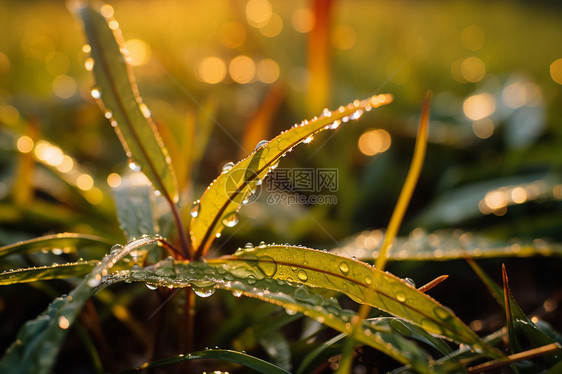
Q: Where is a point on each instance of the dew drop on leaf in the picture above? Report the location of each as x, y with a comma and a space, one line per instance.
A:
96, 93
226, 167
267, 265
195, 208
410, 281
231, 219
134, 167
441, 313
344, 268
308, 140
237, 293
89, 64
260, 144
108, 114
251, 279
151, 286
368, 280
204, 291
400, 297
249, 247
301, 274
290, 311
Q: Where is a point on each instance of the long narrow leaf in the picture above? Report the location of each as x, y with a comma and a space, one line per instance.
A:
60, 271
39, 341
243, 279
356, 279
241, 358
54, 241
122, 104
219, 204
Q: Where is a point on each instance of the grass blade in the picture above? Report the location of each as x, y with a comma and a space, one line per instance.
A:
248, 361
121, 102
219, 204
409, 185
39, 341
244, 280
54, 241
356, 279
60, 271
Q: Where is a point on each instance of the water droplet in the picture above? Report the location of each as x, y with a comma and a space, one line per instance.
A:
231, 219
134, 167
334, 125
290, 311
94, 281
113, 123
249, 247
205, 291
344, 268
400, 297
237, 293
326, 112
308, 140
262, 244
89, 64
260, 144
195, 208
357, 114
96, 93
267, 265
108, 114
57, 251
157, 193
302, 275
218, 235
226, 167
442, 313
345, 119
368, 280
145, 111
64, 323
151, 286
251, 279
410, 281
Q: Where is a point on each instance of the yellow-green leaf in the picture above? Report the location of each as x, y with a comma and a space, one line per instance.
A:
359, 281
219, 205
60, 271
63, 240
118, 95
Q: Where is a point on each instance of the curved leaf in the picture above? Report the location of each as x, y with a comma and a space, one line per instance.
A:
60, 271
243, 279
443, 245
39, 341
221, 201
122, 104
54, 241
356, 279
241, 358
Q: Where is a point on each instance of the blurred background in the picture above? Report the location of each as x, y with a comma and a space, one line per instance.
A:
219, 76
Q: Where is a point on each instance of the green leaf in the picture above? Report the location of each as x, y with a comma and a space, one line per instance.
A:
248, 361
38, 341
521, 323
121, 102
243, 279
60, 271
444, 245
54, 241
356, 279
219, 204
133, 200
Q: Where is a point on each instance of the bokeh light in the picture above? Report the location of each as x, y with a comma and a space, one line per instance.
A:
242, 69
268, 70
258, 12
483, 128
212, 70
303, 20
473, 69
113, 180
556, 71
139, 52
84, 182
273, 27
343, 37
64, 86
24, 144
374, 141
232, 34
473, 37
479, 106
